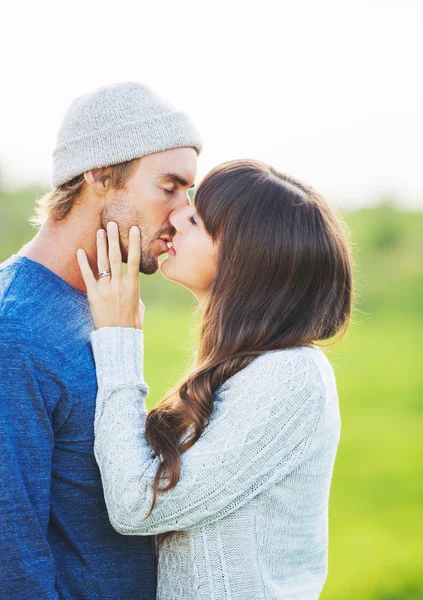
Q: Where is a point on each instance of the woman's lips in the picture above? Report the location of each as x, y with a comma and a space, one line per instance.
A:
172, 251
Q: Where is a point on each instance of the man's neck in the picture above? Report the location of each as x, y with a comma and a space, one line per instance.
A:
55, 247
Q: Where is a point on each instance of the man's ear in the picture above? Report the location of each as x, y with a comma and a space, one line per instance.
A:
99, 180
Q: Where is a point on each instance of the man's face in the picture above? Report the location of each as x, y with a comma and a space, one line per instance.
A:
158, 187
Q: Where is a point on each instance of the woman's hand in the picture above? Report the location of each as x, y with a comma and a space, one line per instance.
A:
114, 299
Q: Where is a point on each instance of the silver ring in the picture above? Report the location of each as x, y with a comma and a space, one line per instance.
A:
104, 274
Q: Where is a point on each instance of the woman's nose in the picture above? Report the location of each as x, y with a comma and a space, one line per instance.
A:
175, 217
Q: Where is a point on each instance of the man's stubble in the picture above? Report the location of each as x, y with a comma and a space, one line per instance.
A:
126, 216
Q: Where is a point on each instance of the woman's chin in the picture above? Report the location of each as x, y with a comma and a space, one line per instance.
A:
166, 270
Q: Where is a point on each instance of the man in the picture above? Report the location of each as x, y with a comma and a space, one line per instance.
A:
122, 154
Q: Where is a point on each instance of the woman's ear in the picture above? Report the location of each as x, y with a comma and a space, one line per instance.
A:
99, 180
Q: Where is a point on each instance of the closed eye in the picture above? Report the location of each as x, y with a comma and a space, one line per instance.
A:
169, 191
192, 220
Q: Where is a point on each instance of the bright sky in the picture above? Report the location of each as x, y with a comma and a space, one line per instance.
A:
330, 91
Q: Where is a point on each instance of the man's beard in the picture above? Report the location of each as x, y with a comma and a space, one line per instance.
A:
117, 210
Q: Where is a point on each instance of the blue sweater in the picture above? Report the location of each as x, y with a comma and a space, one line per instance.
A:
56, 539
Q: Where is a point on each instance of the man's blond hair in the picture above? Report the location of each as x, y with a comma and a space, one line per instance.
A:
57, 204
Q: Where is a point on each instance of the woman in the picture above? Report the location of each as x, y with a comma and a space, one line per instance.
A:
233, 468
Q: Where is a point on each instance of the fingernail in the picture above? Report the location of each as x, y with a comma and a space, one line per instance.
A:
101, 233
112, 225
80, 252
134, 230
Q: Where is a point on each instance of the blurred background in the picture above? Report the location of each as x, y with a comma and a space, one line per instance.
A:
330, 92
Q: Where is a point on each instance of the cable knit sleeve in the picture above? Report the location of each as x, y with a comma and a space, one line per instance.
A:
261, 428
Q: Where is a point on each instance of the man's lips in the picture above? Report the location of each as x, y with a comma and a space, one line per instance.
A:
163, 244
165, 241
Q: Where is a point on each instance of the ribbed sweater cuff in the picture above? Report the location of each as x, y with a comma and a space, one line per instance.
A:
118, 355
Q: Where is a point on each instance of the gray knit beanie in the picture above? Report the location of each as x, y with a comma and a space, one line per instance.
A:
117, 123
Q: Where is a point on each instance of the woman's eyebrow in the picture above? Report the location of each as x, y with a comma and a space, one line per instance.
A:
174, 178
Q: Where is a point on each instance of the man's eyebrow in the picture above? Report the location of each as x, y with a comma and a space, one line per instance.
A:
175, 178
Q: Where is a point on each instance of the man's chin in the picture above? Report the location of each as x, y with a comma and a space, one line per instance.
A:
149, 265
149, 269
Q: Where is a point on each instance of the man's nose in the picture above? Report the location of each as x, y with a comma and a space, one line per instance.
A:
182, 201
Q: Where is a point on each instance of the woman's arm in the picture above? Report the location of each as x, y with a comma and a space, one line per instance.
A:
260, 430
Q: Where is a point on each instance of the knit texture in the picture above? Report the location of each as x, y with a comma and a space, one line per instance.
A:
251, 506
117, 123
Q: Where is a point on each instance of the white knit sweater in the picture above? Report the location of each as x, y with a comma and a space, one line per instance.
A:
251, 506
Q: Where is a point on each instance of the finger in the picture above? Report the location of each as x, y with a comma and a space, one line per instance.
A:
134, 254
115, 257
102, 256
87, 274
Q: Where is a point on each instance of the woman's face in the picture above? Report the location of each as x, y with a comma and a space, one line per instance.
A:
192, 261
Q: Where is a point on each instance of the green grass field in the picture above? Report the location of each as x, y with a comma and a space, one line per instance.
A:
376, 532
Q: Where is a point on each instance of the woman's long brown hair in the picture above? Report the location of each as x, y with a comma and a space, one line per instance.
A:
284, 280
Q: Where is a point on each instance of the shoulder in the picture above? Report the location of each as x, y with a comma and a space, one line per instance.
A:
40, 308
18, 289
279, 387
9, 271
292, 367
14, 290
19, 306
25, 313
